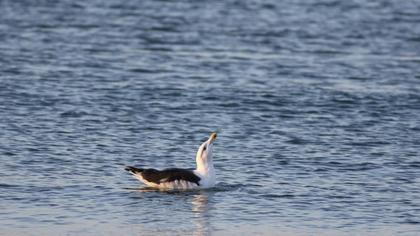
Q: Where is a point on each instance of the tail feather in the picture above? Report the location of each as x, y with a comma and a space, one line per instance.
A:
133, 170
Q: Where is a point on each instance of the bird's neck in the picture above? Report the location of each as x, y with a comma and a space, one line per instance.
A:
205, 169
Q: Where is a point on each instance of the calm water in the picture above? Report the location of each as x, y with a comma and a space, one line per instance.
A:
317, 104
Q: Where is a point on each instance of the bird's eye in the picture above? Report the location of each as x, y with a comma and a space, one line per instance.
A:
205, 147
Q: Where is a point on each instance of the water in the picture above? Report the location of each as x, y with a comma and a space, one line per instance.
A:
317, 104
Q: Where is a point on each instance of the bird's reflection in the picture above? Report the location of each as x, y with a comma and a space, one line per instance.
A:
201, 204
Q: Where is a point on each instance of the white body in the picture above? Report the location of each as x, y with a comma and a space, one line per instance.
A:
208, 179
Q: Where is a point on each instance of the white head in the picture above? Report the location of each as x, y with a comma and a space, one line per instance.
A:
204, 157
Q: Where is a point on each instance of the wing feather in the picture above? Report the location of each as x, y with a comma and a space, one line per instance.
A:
170, 175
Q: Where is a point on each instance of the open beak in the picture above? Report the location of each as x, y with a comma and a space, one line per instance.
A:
212, 137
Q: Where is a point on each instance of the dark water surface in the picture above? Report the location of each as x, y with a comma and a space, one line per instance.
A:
317, 104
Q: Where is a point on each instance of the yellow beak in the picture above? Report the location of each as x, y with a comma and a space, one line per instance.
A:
212, 137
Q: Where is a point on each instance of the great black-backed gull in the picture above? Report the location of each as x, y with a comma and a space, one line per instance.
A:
174, 178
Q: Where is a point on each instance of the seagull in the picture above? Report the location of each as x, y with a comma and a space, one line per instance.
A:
175, 178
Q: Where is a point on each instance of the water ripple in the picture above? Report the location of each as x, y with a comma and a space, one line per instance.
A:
316, 104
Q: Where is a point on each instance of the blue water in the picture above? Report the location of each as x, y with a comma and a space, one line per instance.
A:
317, 106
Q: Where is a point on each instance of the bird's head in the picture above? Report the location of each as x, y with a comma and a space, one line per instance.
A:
204, 155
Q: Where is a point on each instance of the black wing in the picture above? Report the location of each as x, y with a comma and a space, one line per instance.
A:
169, 175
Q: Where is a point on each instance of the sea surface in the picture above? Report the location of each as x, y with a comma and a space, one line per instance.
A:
316, 103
